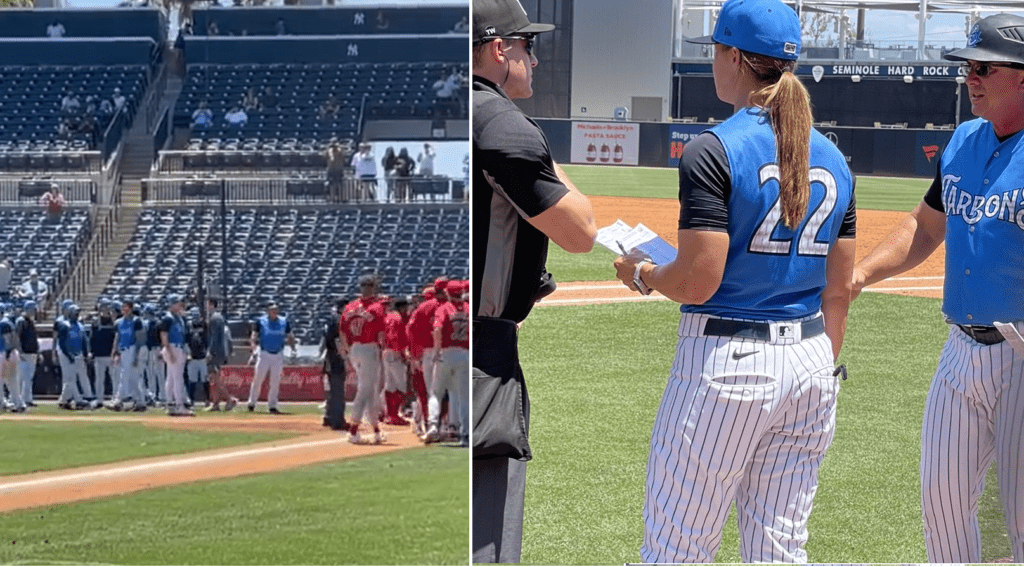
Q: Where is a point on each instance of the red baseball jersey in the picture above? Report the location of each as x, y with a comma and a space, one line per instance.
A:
362, 320
453, 319
421, 325
394, 331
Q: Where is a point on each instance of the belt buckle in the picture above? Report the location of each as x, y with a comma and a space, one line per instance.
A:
786, 332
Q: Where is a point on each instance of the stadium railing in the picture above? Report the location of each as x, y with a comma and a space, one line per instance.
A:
104, 229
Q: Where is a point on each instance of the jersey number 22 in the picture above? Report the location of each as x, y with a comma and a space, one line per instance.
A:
807, 240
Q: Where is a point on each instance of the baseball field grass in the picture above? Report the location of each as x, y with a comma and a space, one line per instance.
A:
48, 445
404, 508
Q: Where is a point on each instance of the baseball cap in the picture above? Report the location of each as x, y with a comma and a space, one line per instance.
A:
33, 272
29, 305
272, 305
173, 298
995, 39
765, 27
440, 284
501, 18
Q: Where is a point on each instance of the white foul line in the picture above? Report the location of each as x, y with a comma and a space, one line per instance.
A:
170, 463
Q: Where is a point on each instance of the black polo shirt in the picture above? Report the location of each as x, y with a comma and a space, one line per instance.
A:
513, 179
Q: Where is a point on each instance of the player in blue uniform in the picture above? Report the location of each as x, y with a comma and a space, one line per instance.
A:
9, 360
269, 334
766, 247
976, 206
73, 350
28, 344
101, 345
172, 340
129, 351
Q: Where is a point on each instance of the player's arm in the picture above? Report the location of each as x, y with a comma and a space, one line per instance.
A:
835, 299
569, 223
436, 333
916, 237
695, 274
909, 244
114, 352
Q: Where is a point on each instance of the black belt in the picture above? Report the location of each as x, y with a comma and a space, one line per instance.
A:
760, 331
983, 334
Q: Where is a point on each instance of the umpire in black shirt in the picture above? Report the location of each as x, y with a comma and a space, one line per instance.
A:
334, 368
521, 199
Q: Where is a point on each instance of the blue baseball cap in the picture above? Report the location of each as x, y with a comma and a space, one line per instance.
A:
765, 27
149, 309
29, 305
173, 298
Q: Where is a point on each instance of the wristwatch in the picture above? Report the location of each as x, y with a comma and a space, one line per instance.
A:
639, 283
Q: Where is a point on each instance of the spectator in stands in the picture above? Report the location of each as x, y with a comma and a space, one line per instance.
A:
251, 101
33, 288
388, 163
203, 116
269, 98
118, 99
279, 27
53, 203
90, 105
88, 128
330, 108
5, 279
55, 30
461, 26
212, 29
336, 171
64, 130
236, 116
426, 160
365, 165
70, 105
447, 89
405, 167
106, 111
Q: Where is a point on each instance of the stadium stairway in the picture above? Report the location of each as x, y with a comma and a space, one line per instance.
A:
135, 166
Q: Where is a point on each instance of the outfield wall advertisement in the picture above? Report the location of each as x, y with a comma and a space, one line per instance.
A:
298, 383
678, 136
606, 143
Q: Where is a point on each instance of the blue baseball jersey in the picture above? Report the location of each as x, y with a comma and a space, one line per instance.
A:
983, 198
773, 272
71, 337
272, 333
127, 327
174, 326
6, 329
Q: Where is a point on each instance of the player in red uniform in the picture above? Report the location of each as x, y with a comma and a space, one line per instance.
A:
451, 338
361, 327
421, 341
396, 360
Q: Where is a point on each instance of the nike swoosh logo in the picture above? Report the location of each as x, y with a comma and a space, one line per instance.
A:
740, 355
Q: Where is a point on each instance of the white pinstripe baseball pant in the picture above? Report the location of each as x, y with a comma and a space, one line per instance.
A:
740, 419
974, 414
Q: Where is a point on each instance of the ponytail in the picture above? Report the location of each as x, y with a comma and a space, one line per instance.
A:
789, 107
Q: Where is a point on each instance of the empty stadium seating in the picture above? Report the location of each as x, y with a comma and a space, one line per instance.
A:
304, 258
30, 103
31, 240
388, 89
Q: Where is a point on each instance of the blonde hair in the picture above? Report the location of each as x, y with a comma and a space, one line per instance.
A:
789, 107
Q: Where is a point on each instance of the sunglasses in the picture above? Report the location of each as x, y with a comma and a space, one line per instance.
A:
984, 69
527, 42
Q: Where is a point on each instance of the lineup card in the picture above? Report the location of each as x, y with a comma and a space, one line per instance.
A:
639, 237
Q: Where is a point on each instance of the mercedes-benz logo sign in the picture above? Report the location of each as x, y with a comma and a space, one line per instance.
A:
832, 138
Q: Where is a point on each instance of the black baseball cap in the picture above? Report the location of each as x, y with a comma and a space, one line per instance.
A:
995, 39
501, 18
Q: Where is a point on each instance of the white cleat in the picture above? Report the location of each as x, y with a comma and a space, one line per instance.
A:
432, 436
354, 438
378, 437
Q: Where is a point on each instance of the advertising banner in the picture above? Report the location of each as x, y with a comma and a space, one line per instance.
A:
605, 143
298, 383
678, 136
